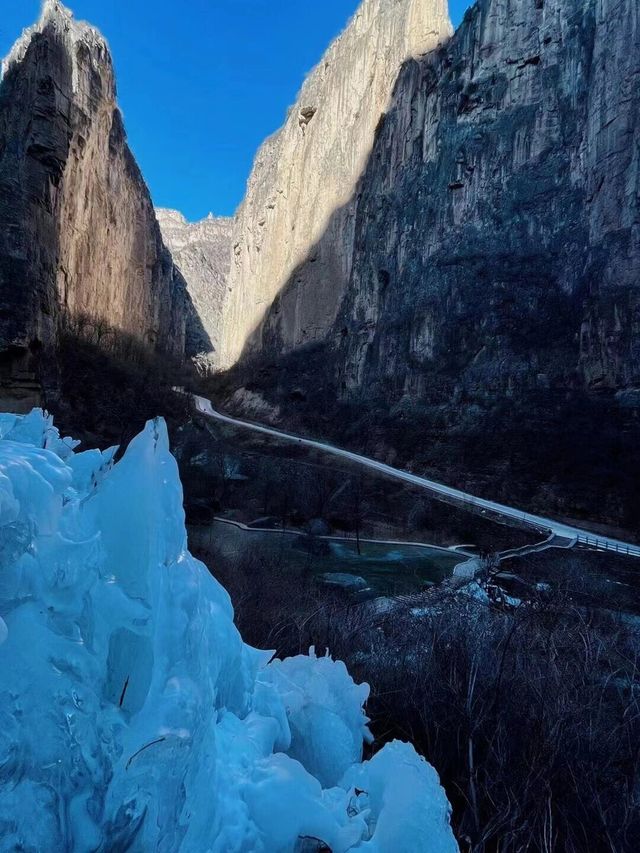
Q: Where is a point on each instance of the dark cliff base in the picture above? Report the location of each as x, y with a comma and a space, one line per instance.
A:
106, 390
564, 452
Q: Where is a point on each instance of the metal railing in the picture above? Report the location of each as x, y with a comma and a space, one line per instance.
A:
607, 545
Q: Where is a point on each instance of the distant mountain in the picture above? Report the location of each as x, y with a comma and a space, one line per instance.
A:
202, 253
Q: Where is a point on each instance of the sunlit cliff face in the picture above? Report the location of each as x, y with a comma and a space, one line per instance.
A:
296, 224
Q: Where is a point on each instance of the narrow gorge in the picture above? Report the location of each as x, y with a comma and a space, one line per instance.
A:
436, 259
343, 553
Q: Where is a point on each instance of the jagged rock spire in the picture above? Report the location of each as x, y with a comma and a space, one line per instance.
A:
56, 13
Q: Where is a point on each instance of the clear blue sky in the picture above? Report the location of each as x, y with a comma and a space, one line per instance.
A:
203, 82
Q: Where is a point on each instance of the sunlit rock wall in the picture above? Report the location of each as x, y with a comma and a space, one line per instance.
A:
294, 234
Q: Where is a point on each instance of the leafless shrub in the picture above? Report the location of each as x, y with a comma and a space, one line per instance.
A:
531, 714
531, 718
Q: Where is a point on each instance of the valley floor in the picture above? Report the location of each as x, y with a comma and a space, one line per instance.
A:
482, 505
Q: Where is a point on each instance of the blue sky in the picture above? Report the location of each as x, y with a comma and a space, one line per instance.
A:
203, 82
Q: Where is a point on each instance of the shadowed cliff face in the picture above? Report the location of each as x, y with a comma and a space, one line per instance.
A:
498, 228
78, 234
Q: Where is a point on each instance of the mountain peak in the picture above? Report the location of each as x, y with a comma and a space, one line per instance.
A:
55, 14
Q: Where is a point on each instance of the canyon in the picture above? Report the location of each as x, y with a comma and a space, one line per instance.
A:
436, 260
392, 414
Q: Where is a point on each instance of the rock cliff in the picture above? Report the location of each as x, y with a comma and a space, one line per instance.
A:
497, 234
300, 194
480, 287
78, 233
493, 238
202, 253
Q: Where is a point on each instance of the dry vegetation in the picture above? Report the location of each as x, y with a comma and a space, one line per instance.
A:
530, 713
108, 384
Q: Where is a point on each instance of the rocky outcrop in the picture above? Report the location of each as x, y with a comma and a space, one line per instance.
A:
202, 253
78, 233
297, 221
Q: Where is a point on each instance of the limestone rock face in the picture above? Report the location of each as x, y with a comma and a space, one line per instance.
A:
473, 307
298, 218
202, 253
78, 233
497, 228
492, 243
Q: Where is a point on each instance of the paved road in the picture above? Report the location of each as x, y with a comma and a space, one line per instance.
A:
564, 531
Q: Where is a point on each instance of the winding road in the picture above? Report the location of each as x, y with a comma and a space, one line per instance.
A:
563, 532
